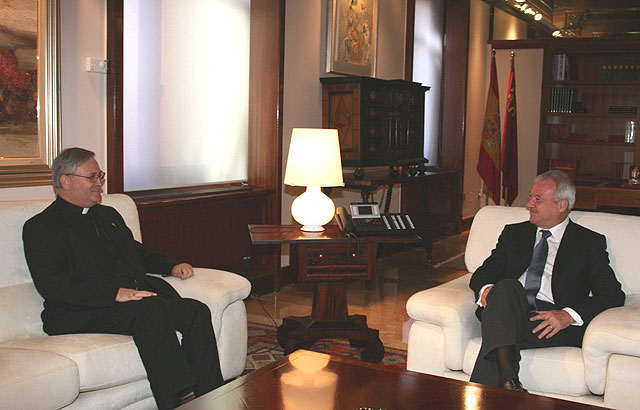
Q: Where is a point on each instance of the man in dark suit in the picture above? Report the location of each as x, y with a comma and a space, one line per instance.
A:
544, 282
91, 273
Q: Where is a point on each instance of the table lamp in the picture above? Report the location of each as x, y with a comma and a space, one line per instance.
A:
313, 162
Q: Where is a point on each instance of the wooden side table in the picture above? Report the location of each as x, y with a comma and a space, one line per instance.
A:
323, 260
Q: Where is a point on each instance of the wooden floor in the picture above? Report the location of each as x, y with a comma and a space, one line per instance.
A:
400, 275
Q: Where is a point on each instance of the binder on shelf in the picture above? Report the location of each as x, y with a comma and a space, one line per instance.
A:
559, 131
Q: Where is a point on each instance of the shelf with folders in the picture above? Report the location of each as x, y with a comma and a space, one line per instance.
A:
594, 99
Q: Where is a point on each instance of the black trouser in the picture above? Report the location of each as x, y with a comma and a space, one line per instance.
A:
171, 367
505, 322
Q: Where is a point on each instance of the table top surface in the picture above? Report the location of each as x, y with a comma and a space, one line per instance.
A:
280, 234
310, 380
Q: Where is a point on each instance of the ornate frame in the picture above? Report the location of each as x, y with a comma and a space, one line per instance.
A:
36, 170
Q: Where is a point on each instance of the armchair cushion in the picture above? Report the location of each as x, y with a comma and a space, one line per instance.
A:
552, 369
27, 378
103, 360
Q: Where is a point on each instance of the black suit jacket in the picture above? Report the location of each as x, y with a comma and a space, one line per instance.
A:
76, 273
581, 267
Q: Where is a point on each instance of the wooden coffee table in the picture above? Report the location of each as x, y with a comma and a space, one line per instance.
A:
310, 380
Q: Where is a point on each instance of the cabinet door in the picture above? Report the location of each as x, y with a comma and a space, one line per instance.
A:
341, 110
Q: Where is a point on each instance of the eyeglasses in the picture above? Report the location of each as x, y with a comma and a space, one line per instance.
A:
93, 178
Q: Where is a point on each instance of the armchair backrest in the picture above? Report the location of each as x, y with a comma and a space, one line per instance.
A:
622, 233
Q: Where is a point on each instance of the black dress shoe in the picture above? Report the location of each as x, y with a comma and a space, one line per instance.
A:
514, 384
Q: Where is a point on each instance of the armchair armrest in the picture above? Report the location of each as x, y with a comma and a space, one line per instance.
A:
215, 288
614, 331
450, 306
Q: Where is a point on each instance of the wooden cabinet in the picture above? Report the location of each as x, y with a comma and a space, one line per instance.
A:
590, 98
379, 122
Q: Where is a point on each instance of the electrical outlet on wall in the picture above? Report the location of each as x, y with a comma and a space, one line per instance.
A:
95, 65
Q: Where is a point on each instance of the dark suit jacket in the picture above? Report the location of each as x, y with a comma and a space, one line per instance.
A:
581, 267
76, 273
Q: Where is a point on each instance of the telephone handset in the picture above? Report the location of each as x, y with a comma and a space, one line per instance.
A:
344, 221
345, 224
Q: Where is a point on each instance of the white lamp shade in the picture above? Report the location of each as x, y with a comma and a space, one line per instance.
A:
314, 158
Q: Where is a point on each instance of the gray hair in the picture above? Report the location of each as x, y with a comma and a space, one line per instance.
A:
565, 188
67, 162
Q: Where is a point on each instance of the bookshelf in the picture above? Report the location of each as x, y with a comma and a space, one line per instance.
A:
589, 118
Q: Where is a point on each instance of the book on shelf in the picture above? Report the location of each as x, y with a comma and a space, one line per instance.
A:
562, 99
556, 163
622, 109
564, 67
559, 131
620, 69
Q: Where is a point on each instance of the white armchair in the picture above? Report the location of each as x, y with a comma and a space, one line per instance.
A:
445, 339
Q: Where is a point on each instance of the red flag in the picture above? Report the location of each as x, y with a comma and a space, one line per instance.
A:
510, 143
489, 158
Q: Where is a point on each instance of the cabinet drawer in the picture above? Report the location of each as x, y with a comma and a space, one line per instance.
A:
335, 254
330, 262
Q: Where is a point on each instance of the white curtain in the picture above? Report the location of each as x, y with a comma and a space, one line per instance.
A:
427, 68
186, 92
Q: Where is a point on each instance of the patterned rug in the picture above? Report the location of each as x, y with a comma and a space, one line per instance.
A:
264, 349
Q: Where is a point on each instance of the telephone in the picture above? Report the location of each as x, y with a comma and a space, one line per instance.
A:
365, 219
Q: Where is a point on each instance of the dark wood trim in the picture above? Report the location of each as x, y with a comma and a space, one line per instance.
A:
115, 154
465, 225
266, 79
409, 41
454, 96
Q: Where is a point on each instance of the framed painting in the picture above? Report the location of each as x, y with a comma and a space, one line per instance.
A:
29, 98
351, 37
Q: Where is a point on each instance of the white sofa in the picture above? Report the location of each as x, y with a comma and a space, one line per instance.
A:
444, 338
93, 371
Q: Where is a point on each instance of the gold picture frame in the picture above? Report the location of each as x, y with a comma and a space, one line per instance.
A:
352, 37
29, 94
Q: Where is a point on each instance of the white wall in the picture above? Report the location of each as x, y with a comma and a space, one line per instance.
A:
83, 94
528, 71
304, 64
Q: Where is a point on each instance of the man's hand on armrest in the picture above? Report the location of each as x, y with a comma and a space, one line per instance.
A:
182, 271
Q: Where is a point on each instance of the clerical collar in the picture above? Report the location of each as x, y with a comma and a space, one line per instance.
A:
74, 208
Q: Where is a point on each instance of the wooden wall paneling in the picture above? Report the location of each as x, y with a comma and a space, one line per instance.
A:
454, 90
115, 153
266, 80
409, 40
210, 231
266, 77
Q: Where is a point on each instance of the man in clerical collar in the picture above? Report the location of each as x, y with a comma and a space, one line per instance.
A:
92, 275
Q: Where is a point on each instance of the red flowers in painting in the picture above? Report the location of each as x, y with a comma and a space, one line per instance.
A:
18, 90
